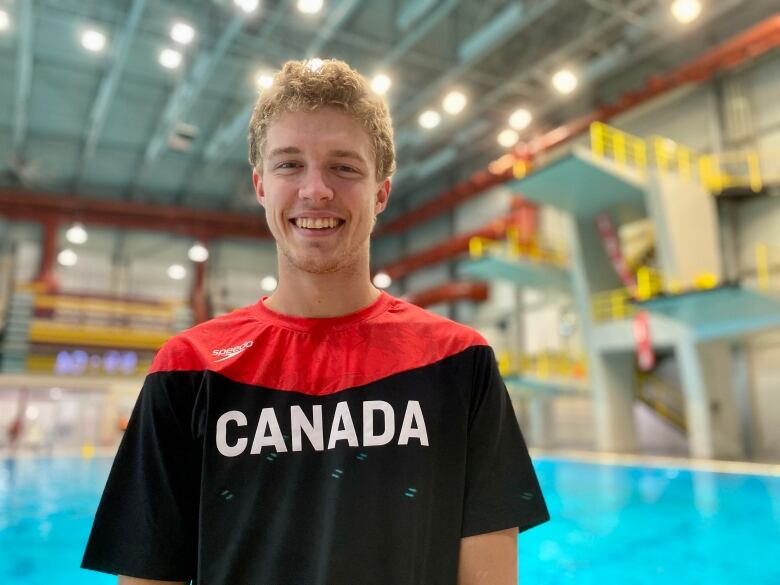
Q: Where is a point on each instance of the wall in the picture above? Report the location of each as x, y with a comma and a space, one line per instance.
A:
687, 115
686, 223
762, 82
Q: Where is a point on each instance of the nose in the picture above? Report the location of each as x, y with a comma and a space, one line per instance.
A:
314, 186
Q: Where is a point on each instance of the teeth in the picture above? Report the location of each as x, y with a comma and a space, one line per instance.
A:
316, 223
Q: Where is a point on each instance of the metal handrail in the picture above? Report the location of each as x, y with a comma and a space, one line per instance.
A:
716, 171
513, 248
543, 365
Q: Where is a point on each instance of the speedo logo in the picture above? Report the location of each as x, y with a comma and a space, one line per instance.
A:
229, 352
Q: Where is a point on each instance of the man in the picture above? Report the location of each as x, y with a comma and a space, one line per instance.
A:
330, 434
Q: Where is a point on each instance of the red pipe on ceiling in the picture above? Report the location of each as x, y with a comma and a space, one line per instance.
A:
523, 215
449, 292
749, 44
204, 224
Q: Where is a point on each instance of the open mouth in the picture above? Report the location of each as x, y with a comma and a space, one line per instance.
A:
319, 225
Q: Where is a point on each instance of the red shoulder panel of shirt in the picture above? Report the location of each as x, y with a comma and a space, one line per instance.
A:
251, 350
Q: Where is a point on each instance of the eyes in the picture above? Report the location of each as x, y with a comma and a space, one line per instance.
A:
289, 167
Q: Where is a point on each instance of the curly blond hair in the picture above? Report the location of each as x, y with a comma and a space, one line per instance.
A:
301, 86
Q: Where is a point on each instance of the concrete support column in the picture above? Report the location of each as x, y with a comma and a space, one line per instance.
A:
611, 374
613, 377
199, 297
706, 370
45, 274
743, 393
541, 422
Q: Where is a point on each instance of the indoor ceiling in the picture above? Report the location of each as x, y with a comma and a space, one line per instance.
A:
116, 124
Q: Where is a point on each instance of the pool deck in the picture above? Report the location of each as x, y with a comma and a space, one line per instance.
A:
660, 461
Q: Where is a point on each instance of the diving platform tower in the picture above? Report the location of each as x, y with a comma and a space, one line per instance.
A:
691, 312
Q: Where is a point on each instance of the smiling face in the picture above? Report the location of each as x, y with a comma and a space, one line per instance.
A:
319, 189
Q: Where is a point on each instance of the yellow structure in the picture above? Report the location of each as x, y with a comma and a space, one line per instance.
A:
717, 171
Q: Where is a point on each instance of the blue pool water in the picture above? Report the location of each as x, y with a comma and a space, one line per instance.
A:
611, 525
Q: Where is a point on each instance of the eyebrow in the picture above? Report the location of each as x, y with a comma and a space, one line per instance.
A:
335, 153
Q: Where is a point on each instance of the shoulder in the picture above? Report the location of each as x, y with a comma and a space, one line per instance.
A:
194, 348
428, 331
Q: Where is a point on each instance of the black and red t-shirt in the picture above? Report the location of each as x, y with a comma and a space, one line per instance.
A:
274, 450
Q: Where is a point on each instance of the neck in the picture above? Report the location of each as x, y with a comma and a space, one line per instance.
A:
304, 294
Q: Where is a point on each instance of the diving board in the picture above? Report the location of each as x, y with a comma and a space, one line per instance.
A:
725, 311
520, 271
584, 184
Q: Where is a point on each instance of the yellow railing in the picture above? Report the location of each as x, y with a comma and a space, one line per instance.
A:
612, 305
479, 247
619, 146
50, 332
87, 305
543, 365
767, 261
762, 266
513, 248
672, 157
719, 172
649, 283
716, 172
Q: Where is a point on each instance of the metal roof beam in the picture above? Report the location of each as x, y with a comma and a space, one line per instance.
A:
419, 32
185, 94
508, 23
227, 134
412, 11
336, 19
24, 71
23, 205
108, 87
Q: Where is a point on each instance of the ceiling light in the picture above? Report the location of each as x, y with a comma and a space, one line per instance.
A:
508, 138
67, 257
314, 64
76, 234
248, 6
177, 272
31, 412
182, 33
310, 6
429, 119
264, 80
381, 83
5, 20
93, 40
268, 283
382, 280
198, 252
564, 81
170, 58
686, 11
520, 119
454, 102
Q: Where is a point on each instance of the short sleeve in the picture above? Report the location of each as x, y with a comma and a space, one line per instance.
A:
502, 490
146, 523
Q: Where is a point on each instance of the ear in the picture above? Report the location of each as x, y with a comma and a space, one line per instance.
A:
257, 182
382, 196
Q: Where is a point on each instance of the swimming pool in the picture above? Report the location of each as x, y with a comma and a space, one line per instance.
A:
611, 525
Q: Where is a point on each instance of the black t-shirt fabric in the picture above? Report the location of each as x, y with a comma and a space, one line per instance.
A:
273, 450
